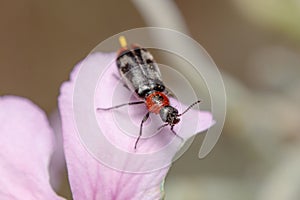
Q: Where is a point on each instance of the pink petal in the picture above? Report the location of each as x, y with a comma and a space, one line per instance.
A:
26, 142
57, 167
99, 170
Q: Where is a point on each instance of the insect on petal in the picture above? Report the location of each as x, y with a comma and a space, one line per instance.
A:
91, 178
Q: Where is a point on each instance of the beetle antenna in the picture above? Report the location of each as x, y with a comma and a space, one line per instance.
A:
193, 104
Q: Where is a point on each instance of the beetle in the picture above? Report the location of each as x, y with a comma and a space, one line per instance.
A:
141, 75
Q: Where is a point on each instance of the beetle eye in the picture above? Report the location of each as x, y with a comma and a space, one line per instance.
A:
176, 121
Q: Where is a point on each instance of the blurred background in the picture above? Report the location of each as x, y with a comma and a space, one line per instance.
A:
255, 44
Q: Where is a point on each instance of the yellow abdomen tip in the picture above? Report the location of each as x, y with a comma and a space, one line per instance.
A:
122, 41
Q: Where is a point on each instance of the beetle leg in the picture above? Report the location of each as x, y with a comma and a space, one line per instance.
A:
121, 105
141, 128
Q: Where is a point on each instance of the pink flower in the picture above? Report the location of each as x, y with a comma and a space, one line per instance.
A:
27, 144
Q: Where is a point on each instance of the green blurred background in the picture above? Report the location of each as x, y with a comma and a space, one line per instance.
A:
256, 46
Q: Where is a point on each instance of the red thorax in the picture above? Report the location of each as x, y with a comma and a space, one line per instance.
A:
156, 101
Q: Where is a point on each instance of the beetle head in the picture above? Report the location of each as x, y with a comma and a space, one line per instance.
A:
169, 114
